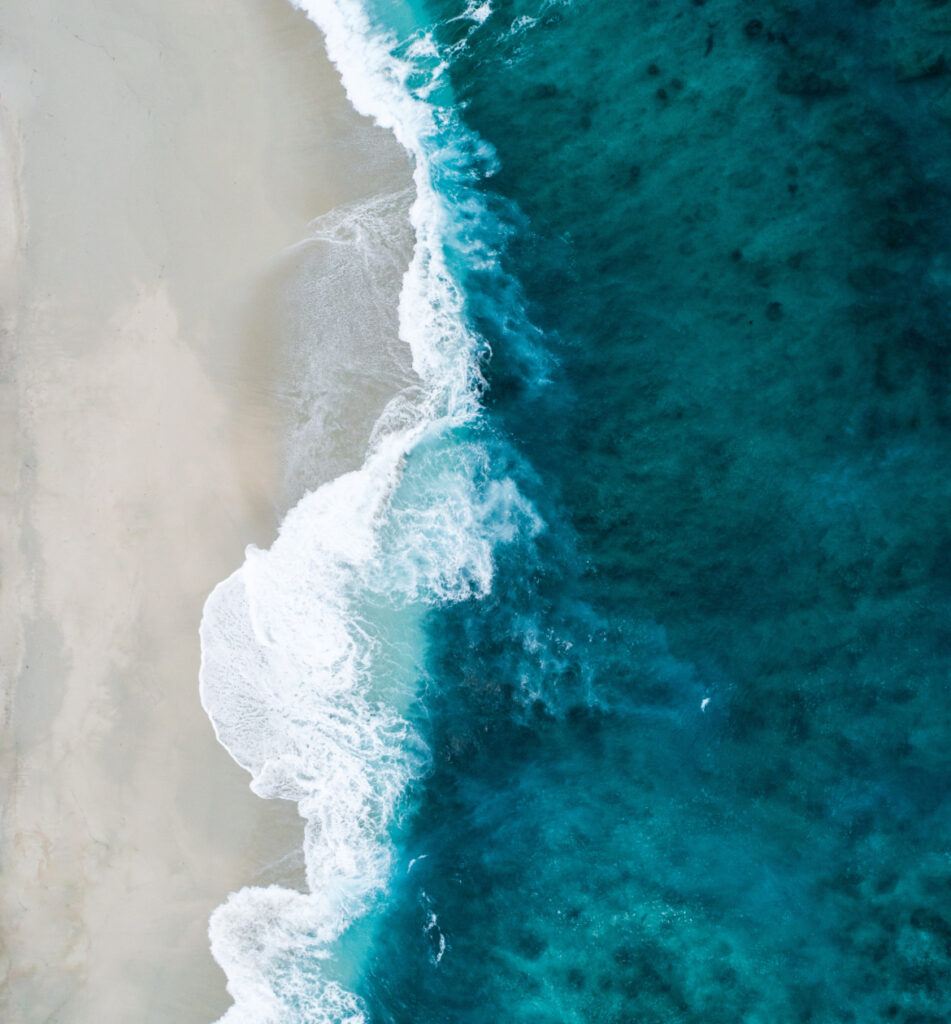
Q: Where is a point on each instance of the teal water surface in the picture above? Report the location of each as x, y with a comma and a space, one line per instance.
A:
690, 757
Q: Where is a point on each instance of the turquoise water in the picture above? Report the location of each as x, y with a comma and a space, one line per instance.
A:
689, 755
614, 685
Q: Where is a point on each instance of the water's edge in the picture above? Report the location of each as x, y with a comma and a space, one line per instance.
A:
312, 651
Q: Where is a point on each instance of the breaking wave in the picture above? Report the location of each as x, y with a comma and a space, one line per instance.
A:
312, 650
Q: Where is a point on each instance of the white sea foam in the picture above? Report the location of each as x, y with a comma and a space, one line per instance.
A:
309, 652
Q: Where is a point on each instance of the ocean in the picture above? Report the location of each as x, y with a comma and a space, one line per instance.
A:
614, 685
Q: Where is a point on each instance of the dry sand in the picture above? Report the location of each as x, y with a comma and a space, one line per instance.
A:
156, 158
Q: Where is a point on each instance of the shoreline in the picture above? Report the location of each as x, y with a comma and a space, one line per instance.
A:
148, 408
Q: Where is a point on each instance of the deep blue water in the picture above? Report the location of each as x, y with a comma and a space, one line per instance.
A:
728, 223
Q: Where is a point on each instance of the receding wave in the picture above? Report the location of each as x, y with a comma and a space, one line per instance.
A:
312, 650
344, 359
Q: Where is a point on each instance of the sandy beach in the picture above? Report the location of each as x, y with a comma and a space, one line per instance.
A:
157, 161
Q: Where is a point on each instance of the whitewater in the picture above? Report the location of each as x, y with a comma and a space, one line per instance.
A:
312, 651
